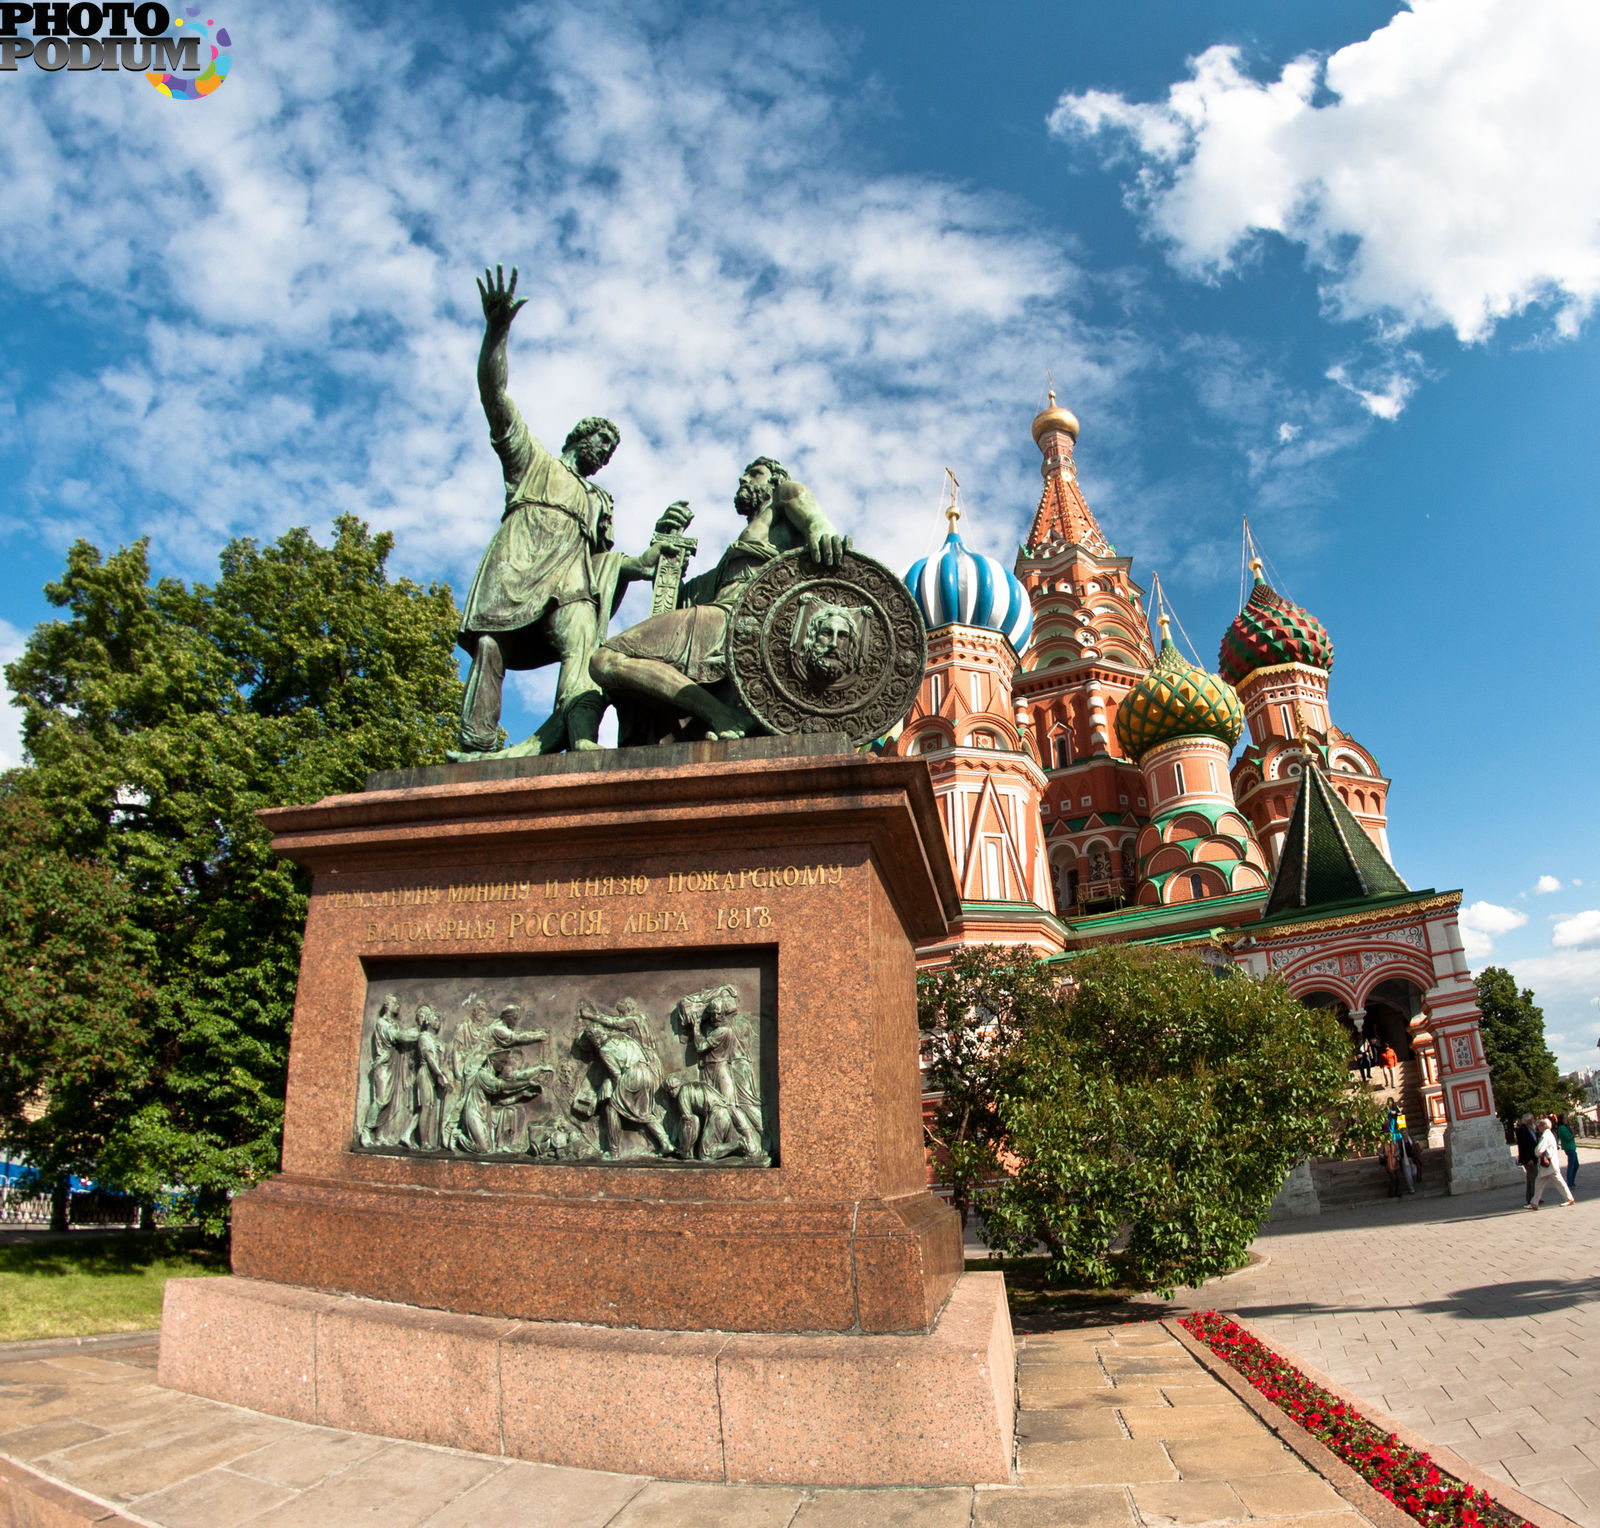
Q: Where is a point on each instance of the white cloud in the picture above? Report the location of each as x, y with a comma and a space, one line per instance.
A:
1580, 929
11, 641
291, 262
1439, 172
1481, 923
1386, 399
1546, 884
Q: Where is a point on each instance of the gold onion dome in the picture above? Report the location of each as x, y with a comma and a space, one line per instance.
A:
1272, 630
1177, 699
1052, 419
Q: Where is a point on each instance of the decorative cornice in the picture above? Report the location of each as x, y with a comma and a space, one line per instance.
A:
1376, 920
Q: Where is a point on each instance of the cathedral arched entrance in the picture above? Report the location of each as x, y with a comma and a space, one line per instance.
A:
1390, 1008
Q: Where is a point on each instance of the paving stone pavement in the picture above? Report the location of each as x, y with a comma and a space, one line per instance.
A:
1120, 1428
1470, 1320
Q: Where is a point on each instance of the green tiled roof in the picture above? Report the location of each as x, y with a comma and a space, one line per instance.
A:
1327, 856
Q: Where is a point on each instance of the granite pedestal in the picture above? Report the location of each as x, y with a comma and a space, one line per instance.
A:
457, 1295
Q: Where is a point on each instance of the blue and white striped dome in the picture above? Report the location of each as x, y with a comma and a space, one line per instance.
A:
967, 588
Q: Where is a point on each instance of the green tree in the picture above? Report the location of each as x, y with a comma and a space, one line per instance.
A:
1521, 1066
159, 718
74, 999
1148, 1111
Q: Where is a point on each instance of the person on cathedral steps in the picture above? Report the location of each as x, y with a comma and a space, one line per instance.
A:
1568, 1143
1364, 1060
1548, 1170
1527, 1154
1390, 1062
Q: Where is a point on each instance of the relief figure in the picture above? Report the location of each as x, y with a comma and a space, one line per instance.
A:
433, 1081
388, 1119
494, 1086
626, 1053
721, 1037
704, 1118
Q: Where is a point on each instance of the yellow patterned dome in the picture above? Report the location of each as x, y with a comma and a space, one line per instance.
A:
1177, 699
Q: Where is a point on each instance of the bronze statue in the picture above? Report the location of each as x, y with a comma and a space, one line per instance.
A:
549, 582
672, 667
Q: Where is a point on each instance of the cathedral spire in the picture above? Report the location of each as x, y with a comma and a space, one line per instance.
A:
1063, 518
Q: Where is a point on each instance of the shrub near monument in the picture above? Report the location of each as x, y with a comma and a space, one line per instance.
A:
1133, 1111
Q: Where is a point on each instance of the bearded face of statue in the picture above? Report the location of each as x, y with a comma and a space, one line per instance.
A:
829, 651
754, 491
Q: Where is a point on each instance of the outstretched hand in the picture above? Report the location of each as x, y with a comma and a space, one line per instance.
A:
500, 302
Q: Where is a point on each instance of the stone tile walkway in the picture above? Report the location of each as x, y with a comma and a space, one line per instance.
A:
1470, 1320
1120, 1428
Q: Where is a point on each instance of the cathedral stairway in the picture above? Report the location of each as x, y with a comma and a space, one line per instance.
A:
1363, 1180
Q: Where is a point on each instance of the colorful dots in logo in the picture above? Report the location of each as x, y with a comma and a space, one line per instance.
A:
214, 57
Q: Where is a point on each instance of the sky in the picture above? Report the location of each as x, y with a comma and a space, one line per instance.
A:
1331, 266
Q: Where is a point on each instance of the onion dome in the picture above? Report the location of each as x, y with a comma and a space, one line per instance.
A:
961, 587
1271, 630
1054, 420
1177, 699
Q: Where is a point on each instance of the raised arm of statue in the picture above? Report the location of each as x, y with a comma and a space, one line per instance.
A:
500, 306
824, 543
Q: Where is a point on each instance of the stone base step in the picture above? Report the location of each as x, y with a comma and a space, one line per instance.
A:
1363, 1180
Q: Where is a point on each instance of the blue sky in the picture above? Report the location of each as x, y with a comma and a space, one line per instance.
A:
1330, 265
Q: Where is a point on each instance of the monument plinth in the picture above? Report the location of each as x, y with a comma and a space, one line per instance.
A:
603, 1133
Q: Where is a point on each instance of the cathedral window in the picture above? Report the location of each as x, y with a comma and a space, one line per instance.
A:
1197, 886
1063, 750
1287, 721
1177, 775
975, 688
935, 686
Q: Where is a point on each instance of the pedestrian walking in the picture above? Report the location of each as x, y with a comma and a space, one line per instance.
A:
1527, 1155
1568, 1143
1549, 1170
1390, 1062
1364, 1061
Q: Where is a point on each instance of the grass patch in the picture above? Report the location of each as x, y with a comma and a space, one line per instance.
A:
93, 1284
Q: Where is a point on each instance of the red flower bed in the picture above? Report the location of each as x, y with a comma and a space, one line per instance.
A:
1412, 1481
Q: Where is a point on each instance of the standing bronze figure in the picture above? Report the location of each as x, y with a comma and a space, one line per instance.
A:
548, 583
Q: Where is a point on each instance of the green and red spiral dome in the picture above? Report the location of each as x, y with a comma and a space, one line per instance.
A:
1271, 630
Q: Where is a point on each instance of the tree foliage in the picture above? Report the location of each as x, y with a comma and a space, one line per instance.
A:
159, 718
1144, 1107
972, 1014
1521, 1066
74, 997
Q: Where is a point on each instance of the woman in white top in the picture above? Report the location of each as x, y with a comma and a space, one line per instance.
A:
1547, 1153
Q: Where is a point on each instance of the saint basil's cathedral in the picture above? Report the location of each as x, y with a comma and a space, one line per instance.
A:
1084, 781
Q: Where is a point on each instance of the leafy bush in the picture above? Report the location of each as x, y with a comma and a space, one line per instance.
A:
1133, 1111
